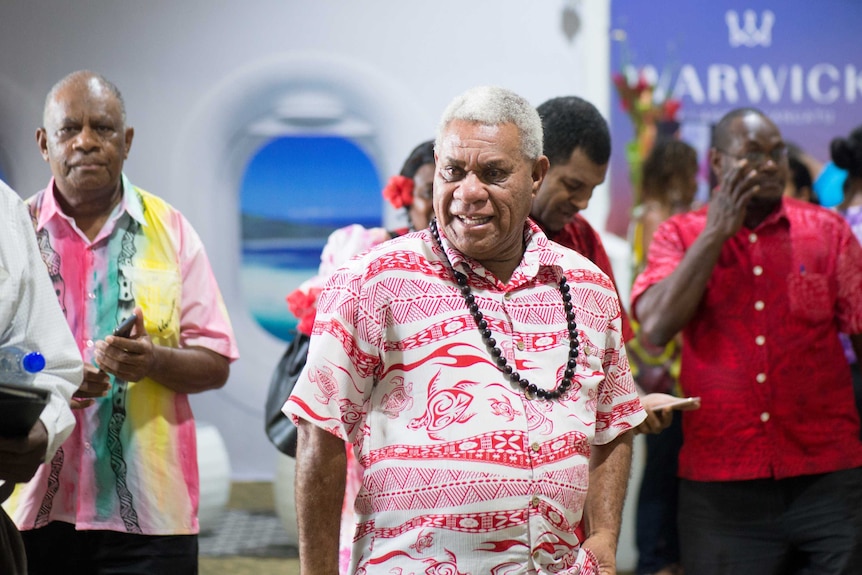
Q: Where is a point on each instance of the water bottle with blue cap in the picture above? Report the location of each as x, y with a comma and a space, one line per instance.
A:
19, 365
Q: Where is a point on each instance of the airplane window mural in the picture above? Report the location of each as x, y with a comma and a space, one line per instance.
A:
295, 191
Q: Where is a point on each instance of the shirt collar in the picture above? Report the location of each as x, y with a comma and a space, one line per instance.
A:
130, 203
536, 255
776, 216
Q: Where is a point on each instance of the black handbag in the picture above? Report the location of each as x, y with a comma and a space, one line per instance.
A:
279, 428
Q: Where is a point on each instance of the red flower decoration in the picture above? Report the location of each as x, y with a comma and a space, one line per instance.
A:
303, 305
670, 108
399, 191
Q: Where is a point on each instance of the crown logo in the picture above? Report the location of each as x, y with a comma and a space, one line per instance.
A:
749, 34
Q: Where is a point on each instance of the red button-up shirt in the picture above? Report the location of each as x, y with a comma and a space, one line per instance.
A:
762, 350
580, 236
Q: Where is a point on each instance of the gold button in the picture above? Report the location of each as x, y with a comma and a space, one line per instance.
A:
758, 270
760, 340
534, 501
535, 446
761, 377
520, 345
507, 296
587, 350
759, 305
764, 417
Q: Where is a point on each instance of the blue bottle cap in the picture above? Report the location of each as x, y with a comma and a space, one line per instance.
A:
33, 362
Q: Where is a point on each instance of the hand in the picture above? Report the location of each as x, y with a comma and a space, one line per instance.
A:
604, 547
20, 457
128, 358
659, 413
729, 202
96, 384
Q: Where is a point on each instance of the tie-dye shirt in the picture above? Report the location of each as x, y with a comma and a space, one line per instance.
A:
131, 463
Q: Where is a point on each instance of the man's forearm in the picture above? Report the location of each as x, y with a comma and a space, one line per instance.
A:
666, 307
321, 471
610, 465
189, 370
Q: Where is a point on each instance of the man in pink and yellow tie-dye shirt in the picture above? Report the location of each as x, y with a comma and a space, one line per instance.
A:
123, 489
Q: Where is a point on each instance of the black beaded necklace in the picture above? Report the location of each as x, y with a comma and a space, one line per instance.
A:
531, 390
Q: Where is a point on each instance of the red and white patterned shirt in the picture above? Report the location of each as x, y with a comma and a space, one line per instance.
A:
462, 473
762, 350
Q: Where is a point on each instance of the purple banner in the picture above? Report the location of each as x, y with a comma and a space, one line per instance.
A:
797, 61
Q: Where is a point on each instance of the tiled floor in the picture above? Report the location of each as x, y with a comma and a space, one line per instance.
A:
250, 539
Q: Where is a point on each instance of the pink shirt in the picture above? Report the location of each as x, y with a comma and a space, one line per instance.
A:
131, 462
462, 473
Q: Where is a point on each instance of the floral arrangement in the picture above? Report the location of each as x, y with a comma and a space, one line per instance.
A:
649, 109
638, 99
399, 191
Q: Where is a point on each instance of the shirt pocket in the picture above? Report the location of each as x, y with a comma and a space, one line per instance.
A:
810, 296
157, 290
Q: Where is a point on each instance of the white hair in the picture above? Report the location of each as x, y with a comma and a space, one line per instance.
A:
492, 106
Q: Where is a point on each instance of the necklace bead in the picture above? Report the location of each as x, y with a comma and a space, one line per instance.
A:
530, 390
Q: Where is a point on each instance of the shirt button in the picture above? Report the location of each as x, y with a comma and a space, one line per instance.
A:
520, 345
752, 238
534, 501
764, 417
91, 295
89, 343
758, 270
507, 296
760, 340
761, 377
535, 555
759, 305
535, 446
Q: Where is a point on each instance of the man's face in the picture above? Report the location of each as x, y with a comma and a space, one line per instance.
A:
483, 190
84, 139
756, 141
567, 189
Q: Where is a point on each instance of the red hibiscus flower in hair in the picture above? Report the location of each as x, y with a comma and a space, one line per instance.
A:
399, 191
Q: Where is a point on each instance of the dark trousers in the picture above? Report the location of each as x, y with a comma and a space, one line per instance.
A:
809, 525
59, 548
655, 524
856, 372
12, 558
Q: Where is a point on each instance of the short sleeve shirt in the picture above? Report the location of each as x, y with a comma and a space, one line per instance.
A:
130, 464
460, 469
762, 350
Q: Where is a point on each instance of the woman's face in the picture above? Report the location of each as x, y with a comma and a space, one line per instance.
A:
422, 208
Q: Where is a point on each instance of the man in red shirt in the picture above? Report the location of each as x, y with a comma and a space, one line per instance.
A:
760, 286
578, 144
